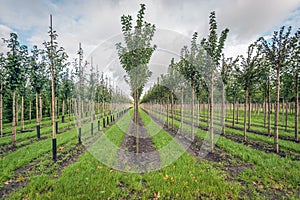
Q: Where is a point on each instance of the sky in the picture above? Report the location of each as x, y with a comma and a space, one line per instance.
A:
96, 24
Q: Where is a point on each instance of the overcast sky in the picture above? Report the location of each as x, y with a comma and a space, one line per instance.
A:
93, 22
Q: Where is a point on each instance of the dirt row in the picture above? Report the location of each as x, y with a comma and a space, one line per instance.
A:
258, 145
137, 152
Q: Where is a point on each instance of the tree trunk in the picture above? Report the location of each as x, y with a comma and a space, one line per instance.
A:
1, 112
37, 108
135, 118
192, 108
41, 109
296, 106
265, 112
211, 111
38, 126
249, 113
17, 110
286, 113
245, 114
282, 113
22, 113
172, 110
30, 109
54, 150
269, 107
13, 128
237, 112
276, 147
199, 112
181, 112
167, 102
223, 110
233, 112
63, 111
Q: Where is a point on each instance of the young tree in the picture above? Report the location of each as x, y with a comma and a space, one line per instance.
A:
189, 67
57, 60
214, 47
135, 55
277, 52
2, 77
13, 75
226, 69
38, 80
248, 75
23, 80
295, 50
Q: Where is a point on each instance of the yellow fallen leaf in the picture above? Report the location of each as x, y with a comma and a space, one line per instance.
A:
99, 167
172, 180
166, 177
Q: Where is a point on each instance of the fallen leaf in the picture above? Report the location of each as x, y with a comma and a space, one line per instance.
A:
260, 186
166, 177
61, 147
99, 167
156, 195
172, 180
275, 187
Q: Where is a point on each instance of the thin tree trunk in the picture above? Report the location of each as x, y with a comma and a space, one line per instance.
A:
172, 110
30, 109
265, 110
282, 113
286, 113
296, 106
223, 110
269, 107
14, 132
181, 111
1, 111
211, 111
41, 109
54, 151
245, 114
249, 112
192, 108
135, 119
17, 110
167, 102
237, 112
37, 114
276, 147
233, 112
22, 113
63, 111
199, 112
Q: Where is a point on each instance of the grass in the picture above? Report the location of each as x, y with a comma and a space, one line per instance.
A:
269, 170
185, 178
88, 178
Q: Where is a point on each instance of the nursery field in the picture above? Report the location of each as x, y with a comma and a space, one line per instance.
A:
149, 113
234, 170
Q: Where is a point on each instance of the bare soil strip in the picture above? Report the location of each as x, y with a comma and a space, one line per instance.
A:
146, 159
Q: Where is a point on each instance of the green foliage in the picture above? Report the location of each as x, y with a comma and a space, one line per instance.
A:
14, 63
135, 56
248, 71
214, 45
38, 77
